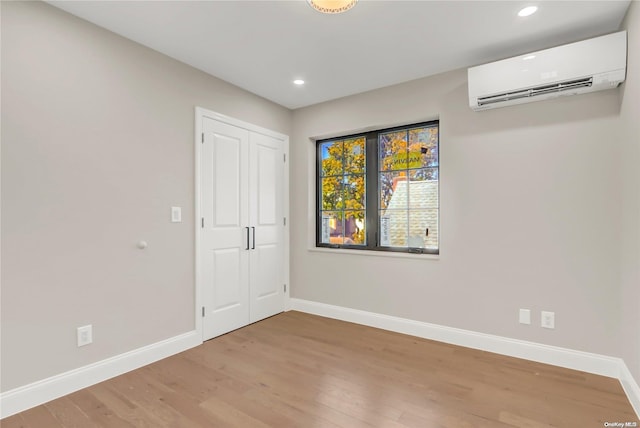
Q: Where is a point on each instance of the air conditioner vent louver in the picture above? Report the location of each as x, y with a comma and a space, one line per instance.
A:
539, 90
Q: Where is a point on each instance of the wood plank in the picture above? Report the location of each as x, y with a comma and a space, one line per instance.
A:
96, 410
15, 421
40, 417
68, 414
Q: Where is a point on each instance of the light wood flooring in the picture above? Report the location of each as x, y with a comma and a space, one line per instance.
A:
300, 370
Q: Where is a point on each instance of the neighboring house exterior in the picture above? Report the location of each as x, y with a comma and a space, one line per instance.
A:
408, 227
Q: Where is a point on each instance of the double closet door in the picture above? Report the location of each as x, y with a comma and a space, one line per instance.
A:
242, 230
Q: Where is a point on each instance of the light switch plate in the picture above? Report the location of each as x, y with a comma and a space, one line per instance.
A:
176, 215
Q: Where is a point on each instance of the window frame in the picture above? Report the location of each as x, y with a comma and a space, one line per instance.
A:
372, 191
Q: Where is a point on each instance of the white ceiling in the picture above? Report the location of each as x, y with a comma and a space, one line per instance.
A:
262, 46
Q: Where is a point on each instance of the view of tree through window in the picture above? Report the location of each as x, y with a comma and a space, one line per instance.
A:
380, 190
343, 190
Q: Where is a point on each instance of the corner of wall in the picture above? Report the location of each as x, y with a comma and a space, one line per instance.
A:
630, 197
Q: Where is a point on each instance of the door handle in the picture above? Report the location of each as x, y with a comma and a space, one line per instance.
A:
247, 238
253, 247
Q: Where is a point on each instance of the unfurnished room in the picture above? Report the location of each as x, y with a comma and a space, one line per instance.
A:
320, 213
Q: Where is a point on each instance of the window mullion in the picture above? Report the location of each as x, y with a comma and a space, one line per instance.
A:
318, 195
372, 189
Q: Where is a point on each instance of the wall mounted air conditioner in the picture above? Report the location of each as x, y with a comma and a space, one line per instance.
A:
577, 68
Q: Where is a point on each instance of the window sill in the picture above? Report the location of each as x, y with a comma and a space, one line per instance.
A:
375, 253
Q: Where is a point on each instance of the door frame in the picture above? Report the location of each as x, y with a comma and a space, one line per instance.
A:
200, 115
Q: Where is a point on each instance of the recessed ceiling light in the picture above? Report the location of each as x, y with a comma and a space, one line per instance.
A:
298, 82
529, 10
528, 57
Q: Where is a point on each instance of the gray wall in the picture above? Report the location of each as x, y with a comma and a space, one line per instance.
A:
97, 145
531, 198
630, 185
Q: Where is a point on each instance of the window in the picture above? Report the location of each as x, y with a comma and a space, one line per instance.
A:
379, 190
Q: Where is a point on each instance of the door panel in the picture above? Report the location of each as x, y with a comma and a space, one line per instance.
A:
228, 174
267, 260
227, 264
225, 210
266, 215
267, 185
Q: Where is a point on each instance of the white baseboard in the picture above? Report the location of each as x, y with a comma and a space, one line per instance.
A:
562, 357
630, 387
40, 392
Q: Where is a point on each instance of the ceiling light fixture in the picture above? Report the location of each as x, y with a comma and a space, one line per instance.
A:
298, 82
332, 6
529, 10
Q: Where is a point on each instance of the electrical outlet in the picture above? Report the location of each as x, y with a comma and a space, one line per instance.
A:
85, 335
547, 319
525, 316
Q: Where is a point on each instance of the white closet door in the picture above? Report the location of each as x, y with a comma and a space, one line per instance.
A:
224, 254
266, 172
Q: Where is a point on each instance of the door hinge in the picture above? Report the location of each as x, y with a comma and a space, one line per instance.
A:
284, 157
203, 137
285, 288
203, 311
284, 221
202, 222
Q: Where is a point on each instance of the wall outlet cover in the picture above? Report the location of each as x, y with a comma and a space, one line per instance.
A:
547, 319
85, 335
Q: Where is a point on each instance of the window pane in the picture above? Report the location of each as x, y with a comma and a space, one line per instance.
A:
353, 192
393, 190
393, 228
414, 229
354, 228
392, 151
423, 188
331, 158
354, 156
331, 227
423, 229
424, 174
332, 193
408, 187
424, 142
